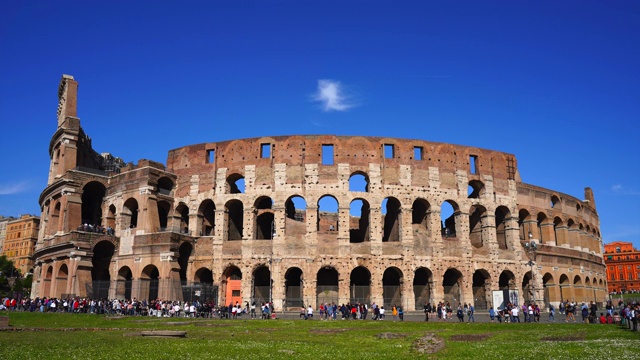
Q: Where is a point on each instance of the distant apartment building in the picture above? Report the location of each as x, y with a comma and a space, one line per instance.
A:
3, 229
623, 267
20, 241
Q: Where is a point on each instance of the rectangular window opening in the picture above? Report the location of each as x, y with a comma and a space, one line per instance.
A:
473, 164
388, 151
327, 154
417, 152
211, 156
265, 151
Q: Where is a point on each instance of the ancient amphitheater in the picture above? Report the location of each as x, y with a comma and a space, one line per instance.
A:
309, 219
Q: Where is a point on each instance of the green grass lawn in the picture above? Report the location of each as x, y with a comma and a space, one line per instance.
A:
66, 336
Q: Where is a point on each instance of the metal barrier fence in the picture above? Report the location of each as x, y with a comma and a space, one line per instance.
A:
150, 289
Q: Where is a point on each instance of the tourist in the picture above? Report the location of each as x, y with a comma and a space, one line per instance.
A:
472, 310
427, 310
381, 312
310, 312
400, 313
460, 314
492, 314
515, 316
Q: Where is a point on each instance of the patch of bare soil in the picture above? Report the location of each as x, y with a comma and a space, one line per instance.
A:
388, 335
571, 337
211, 324
327, 331
430, 343
470, 337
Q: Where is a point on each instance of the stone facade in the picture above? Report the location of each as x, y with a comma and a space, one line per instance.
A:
309, 219
20, 241
623, 267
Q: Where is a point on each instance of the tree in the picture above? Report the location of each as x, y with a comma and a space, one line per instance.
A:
7, 271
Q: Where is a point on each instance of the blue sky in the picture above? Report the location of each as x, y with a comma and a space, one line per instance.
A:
555, 83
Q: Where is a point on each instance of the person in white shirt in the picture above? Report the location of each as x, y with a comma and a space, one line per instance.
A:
515, 317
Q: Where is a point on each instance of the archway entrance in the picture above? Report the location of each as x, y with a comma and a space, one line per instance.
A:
480, 289
123, 285
261, 285
451, 283
360, 286
100, 277
327, 286
422, 280
149, 283
392, 287
293, 288
233, 285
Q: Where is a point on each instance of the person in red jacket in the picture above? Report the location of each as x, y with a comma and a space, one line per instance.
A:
603, 320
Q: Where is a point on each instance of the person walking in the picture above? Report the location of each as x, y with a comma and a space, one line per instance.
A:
472, 310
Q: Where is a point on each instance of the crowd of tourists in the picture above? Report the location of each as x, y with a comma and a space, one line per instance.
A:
627, 314
98, 229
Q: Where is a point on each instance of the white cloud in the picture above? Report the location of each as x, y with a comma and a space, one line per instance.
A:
11, 189
333, 97
619, 189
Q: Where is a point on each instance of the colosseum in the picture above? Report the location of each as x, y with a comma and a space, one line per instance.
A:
309, 219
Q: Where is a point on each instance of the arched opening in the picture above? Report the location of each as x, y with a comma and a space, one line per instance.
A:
163, 214
550, 290
554, 201
182, 212
184, 252
261, 285
92, 195
328, 215
61, 282
543, 232
47, 281
130, 214
207, 217
475, 189
524, 223
422, 281
448, 213
100, 276
149, 283
481, 289
293, 288
111, 220
360, 286
327, 286
501, 216
55, 219
451, 284
565, 287
123, 283
527, 287
165, 186
359, 211
235, 184
264, 226
392, 287
477, 217
419, 215
391, 219
203, 282
296, 216
234, 215
359, 181
507, 281
232, 285
560, 231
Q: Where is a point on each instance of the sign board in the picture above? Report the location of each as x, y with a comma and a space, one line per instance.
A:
502, 297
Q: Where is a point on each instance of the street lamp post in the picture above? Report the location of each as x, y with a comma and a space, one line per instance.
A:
531, 247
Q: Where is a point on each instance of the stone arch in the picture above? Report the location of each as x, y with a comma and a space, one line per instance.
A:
203, 275
294, 291
392, 280
475, 189
327, 285
565, 287
103, 253
359, 181
261, 292
207, 217
545, 235
551, 293
391, 219
231, 285
62, 281
502, 215
235, 184
184, 253
48, 279
55, 218
481, 286
420, 212
264, 218
527, 287
129, 214
296, 216
452, 286
149, 282
124, 283
555, 201
327, 220
234, 217
164, 207
165, 186
359, 215
507, 280
422, 283
449, 214
477, 220
111, 218
92, 196
578, 288
525, 224
360, 286
182, 214
560, 231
